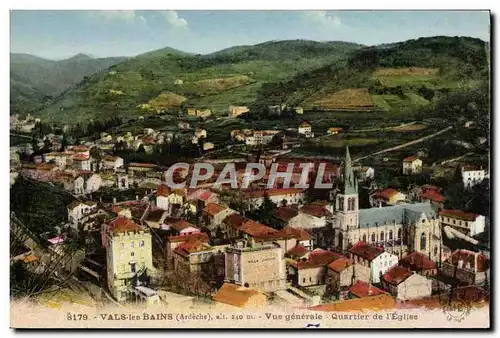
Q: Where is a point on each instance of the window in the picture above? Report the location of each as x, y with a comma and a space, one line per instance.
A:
423, 241
310, 279
141, 244
390, 235
435, 250
364, 238
373, 237
399, 234
382, 236
303, 280
132, 254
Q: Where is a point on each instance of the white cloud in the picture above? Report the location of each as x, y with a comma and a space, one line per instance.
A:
127, 16
173, 19
322, 18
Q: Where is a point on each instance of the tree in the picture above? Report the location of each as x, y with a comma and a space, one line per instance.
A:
141, 149
264, 213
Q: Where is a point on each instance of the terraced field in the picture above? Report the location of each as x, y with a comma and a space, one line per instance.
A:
166, 100
346, 99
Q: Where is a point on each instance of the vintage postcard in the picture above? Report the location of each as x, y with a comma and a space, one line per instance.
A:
250, 169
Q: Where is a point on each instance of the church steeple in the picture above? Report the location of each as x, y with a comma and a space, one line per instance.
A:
350, 185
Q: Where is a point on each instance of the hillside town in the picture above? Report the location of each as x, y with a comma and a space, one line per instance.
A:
127, 236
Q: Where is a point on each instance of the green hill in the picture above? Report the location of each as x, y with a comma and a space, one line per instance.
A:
228, 77
396, 78
35, 81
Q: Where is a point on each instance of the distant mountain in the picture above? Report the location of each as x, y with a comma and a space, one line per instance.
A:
392, 77
228, 77
34, 81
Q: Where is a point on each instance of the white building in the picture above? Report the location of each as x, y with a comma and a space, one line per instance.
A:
112, 162
305, 129
77, 210
467, 223
412, 165
261, 266
81, 162
472, 175
93, 183
365, 173
377, 260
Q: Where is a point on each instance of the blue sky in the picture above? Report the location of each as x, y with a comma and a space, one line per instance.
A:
60, 34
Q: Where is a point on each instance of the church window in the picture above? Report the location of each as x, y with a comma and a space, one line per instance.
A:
373, 237
382, 236
423, 241
364, 238
390, 235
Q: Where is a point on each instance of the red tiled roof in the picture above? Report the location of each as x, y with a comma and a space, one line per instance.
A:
235, 220
432, 195
410, 158
255, 229
143, 165
201, 194
470, 168
397, 274
121, 224
163, 190
362, 289
181, 225
189, 247
340, 264
471, 257
297, 251
285, 213
315, 210
214, 208
290, 232
273, 192
110, 158
386, 193
79, 148
318, 258
305, 124
203, 237
430, 187
417, 261
80, 157
365, 250
459, 214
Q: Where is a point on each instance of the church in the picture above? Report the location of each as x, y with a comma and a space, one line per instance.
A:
398, 229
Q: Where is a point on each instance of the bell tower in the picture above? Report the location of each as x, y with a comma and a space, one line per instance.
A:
347, 203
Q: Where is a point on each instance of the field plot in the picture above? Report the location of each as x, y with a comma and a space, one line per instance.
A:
405, 71
380, 102
346, 99
393, 77
220, 84
166, 100
220, 102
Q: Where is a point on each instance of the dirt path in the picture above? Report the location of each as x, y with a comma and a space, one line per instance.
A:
425, 138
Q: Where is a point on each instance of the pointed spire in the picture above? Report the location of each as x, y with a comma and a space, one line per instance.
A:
350, 182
